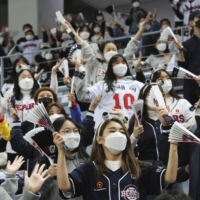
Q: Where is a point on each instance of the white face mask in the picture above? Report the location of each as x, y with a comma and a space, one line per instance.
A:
99, 18
136, 4
97, 29
48, 56
109, 55
164, 27
120, 69
167, 86
161, 46
54, 117
115, 142
29, 37
84, 35
26, 84
43, 54
72, 141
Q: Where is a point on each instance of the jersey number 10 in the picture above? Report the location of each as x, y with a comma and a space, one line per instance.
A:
126, 101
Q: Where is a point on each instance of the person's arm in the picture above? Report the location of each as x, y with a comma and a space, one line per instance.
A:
172, 166
84, 93
64, 183
75, 110
18, 143
45, 35
54, 79
89, 123
155, 26
11, 183
133, 44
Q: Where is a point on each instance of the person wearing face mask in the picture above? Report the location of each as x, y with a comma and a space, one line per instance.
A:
159, 59
113, 170
190, 59
97, 33
30, 45
75, 155
9, 84
98, 69
99, 19
118, 89
135, 14
49, 98
145, 137
179, 108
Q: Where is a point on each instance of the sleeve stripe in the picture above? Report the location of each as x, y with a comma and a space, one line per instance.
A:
161, 176
90, 114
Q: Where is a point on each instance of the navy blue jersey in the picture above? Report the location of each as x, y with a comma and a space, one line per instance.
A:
116, 185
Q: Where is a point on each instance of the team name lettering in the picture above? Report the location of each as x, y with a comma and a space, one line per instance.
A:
29, 45
25, 106
122, 87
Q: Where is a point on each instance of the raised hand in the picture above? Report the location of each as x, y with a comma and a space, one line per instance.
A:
72, 98
147, 19
1, 111
37, 75
14, 167
155, 13
52, 171
137, 129
58, 141
161, 112
13, 113
35, 182
55, 67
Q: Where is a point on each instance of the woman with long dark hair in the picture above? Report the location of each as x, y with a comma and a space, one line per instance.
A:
113, 171
9, 84
118, 89
179, 107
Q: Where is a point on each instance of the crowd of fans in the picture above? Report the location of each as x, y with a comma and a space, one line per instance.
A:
109, 154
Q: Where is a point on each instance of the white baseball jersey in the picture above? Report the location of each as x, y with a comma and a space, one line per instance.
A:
180, 110
187, 7
126, 91
28, 47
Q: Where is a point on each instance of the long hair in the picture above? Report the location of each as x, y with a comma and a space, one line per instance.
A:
81, 28
157, 74
144, 92
18, 94
14, 73
81, 150
155, 50
128, 162
110, 77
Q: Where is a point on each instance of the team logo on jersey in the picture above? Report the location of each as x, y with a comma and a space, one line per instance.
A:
177, 110
133, 176
130, 192
99, 185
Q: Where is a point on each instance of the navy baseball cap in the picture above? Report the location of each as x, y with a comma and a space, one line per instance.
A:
194, 14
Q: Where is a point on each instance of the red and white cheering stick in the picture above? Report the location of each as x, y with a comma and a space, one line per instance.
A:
180, 72
138, 110
166, 33
158, 100
179, 133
